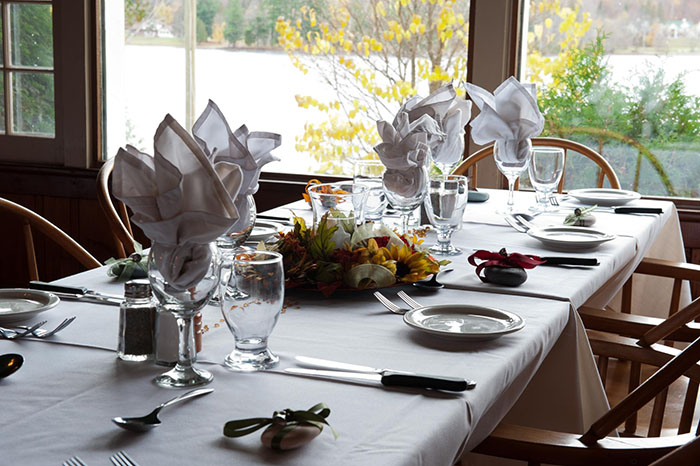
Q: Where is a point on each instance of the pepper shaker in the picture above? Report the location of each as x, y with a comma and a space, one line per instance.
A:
136, 322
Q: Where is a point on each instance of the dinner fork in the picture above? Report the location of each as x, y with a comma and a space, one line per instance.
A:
74, 461
553, 200
389, 305
13, 336
408, 300
122, 459
41, 333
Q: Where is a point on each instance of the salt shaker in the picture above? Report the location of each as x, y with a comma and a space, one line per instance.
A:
136, 321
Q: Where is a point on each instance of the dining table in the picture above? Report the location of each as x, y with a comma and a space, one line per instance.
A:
61, 402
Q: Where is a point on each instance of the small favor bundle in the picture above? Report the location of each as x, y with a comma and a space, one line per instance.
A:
502, 268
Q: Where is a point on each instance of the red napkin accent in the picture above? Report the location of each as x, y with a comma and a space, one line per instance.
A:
503, 259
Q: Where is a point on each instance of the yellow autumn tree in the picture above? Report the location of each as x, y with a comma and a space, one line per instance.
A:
375, 54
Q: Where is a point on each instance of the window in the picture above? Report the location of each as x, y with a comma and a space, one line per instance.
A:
622, 77
45, 100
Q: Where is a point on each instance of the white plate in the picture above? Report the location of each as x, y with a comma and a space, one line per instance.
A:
565, 238
604, 196
19, 304
463, 321
264, 229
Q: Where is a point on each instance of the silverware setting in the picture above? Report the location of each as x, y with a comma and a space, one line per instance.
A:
619, 209
43, 333
389, 305
74, 461
77, 293
9, 334
413, 304
120, 458
150, 420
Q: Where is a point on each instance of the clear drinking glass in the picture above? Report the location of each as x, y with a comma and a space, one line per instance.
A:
184, 304
545, 169
445, 202
369, 173
512, 157
343, 201
252, 293
405, 190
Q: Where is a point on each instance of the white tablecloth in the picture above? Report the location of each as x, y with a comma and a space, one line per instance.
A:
59, 404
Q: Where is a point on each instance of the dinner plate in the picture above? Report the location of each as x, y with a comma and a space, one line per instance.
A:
604, 196
564, 238
19, 304
464, 321
264, 229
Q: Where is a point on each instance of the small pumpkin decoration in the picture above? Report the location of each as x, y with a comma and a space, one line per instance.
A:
501, 268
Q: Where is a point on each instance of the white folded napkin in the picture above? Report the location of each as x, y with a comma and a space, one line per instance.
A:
511, 113
179, 200
249, 150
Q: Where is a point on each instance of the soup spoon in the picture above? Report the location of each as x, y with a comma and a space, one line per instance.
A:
431, 284
9, 363
150, 420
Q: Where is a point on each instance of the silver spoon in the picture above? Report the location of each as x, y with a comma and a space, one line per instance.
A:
9, 363
150, 421
431, 284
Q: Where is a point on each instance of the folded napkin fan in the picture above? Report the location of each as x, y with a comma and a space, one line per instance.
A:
249, 150
179, 200
511, 113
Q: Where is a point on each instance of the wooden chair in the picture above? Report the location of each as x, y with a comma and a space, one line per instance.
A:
605, 169
117, 217
31, 220
682, 456
538, 446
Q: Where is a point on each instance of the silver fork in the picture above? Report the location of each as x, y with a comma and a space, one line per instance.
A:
41, 333
389, 305
120, 458
553, 200
74, 461
5, 333
408, 300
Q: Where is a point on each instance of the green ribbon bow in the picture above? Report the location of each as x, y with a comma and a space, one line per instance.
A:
314, 416
134, 266
573, 219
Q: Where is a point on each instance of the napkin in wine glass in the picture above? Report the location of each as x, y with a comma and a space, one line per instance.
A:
249, 150
510, 113
178, 199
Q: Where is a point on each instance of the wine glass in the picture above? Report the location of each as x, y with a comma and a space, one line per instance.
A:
184, 301
445, 202
512, 157
545, 170
252, 293
405, 190
238, 233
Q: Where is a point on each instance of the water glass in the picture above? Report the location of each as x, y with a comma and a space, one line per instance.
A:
369, 173
512, 157
405, 190
252, 293
445, 202
545, 169
342, 203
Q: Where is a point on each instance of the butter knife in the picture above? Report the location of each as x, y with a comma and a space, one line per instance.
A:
387, 377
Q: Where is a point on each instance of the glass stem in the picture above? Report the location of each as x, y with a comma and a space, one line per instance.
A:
404, 223
444, 238
185, 351
511, 188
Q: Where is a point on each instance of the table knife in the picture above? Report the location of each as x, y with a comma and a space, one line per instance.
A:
637, 210
556, 260
77, 293
387, 377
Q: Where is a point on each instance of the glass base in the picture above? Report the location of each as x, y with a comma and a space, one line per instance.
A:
180, 377
445, 251
248, 361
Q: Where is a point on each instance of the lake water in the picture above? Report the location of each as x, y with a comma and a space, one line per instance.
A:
258, 89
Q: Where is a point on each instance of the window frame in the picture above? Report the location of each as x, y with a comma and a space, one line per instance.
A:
75, 99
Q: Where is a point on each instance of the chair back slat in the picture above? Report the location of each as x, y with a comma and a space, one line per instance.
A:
691, 396
644, 393
674, 322
603, 369
634, 381
117, 218
657, 414
30, 251
626, 305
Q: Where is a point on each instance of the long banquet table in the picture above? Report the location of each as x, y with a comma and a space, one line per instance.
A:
60, 403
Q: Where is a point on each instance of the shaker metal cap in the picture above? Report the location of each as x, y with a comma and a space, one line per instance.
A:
140, 288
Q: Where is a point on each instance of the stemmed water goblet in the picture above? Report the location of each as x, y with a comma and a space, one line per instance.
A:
405, 190
545, 170
252, 294
512, 157
184, 301
445, 201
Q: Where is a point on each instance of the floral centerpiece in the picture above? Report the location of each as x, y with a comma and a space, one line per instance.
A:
339, 255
